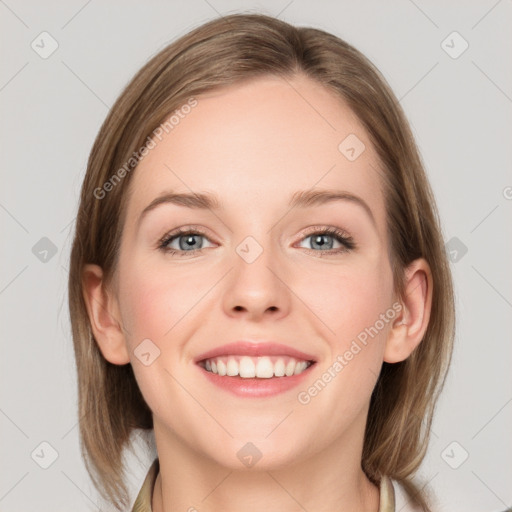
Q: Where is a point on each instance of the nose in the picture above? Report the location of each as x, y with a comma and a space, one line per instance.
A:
257, 288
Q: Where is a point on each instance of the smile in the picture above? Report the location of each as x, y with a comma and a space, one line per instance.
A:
248, 367
255, 370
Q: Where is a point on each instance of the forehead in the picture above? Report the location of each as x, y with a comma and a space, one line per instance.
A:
260, 141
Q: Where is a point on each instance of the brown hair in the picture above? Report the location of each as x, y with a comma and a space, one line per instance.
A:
221, 52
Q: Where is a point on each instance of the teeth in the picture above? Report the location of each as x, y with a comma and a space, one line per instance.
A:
221, 368
232, 367
300, 367
264, 367
279, 368
247, 368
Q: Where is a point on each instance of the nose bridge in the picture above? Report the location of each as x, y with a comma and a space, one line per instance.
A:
255, 285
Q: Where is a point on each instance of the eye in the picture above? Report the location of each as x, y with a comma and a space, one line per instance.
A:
182, 241
187, 240
325, 239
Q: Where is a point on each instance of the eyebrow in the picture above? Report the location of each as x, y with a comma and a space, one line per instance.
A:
300, 199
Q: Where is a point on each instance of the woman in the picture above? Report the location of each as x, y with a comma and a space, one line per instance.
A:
258, 275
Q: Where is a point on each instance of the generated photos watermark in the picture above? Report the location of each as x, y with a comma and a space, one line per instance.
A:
342, 360
151, 143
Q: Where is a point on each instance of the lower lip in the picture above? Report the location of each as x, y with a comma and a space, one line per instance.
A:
255, 387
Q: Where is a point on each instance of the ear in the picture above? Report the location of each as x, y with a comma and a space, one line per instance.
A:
103, 312
409, 327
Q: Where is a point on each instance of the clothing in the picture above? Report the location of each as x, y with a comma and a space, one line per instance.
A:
144, 498
143, 502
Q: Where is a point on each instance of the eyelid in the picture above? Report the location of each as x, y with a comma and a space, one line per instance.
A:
322, 228
343, 237
181, 231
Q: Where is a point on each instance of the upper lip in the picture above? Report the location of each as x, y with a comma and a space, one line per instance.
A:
255, 349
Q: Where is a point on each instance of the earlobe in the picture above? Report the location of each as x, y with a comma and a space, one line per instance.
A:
410, 325
104, 316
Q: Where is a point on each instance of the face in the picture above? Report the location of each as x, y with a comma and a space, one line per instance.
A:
257, 267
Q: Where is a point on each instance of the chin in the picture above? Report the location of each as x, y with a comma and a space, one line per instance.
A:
257, 453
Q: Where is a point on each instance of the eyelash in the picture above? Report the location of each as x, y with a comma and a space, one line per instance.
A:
346, 240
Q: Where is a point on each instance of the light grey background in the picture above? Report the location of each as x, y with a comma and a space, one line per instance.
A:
51, 109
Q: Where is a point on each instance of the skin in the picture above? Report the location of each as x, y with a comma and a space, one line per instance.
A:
254, 145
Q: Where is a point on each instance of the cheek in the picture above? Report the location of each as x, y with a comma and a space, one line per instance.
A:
350, 299
352, 305
157, 305
355, 311
153, 302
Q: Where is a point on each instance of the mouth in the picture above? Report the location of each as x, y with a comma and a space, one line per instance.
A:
249, 369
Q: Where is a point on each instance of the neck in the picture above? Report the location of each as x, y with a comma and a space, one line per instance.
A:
327, 481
